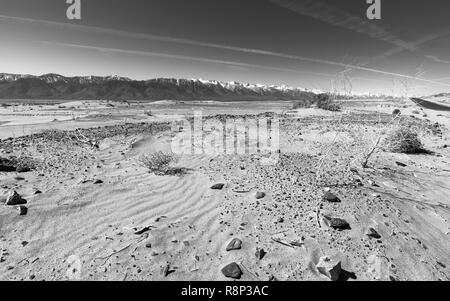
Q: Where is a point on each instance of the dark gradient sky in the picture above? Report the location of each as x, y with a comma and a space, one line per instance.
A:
321, 44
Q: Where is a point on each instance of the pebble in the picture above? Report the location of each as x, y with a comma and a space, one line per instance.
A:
234, 244
232, 271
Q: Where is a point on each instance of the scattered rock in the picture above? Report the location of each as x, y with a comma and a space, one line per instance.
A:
166, 270
232, 271
218, 186
14, 199
336, 223
372, 183
400, 164
23, 210
279, 220
371, 232
260, 195
235, 244
330, 197
273, 278
330, 267
260, 253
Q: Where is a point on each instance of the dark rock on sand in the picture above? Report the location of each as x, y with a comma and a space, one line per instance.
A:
260, 253
23, 210
336, 223
260, 195
218, 186
400, 164
232, 271
235, 244
371, 232
14, 199
330, 197
330, 267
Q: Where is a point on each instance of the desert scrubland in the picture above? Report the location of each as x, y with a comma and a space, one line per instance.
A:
81, 202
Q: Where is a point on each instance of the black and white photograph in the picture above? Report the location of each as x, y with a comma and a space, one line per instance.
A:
236, 141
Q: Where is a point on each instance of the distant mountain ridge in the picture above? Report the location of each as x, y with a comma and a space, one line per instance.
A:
55, 86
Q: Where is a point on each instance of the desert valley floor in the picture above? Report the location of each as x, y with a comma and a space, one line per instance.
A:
101, 206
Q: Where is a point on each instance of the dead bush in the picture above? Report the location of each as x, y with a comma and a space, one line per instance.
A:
325, 102
322, 101
158, 162
404, 140
306, 102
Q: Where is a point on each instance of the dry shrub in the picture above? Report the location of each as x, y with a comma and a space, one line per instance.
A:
404, 140
325, 102
322, 101
306, 102
158, 162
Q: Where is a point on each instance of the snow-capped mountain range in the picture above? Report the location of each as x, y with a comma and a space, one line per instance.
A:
55, 86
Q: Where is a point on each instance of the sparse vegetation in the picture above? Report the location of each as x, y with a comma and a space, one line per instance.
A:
325, 102
305, 102
404, 140
322, 101
158, 162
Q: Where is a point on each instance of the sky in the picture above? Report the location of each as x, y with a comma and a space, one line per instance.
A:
329, 45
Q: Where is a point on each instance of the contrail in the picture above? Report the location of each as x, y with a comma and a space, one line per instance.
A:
341, 18
121, 33
183, 57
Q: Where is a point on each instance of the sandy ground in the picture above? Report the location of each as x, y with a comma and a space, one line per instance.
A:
134, 225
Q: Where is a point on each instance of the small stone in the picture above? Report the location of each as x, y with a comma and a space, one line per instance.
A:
330, 267
260, 195
218, 186
166, 270
273, 278
260, 253
336, 223
400, 164
14, 199
330, 197
232, 271
148, 245
279, 220
235, 244
23, 210
371, 232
